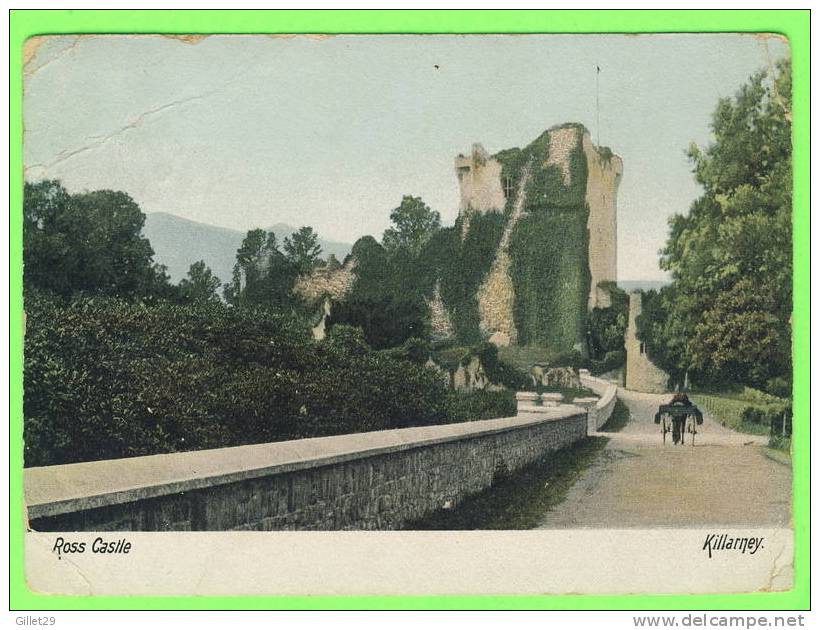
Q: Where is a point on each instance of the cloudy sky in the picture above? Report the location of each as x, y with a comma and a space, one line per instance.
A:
247, 131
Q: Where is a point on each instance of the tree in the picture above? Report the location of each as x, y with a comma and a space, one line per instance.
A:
386, 322
88, 243
302, 249
413, 225
730, 256
200, 285
607, 325
262, 274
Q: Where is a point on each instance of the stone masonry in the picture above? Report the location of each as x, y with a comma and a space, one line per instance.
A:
366, 481
641, 374
482, 190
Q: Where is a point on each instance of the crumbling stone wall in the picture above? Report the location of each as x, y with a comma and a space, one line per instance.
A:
441, 323
547, 376
479, 181
335, 283
496, 295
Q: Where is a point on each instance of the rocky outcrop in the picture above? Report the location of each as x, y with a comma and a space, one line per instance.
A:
471, 376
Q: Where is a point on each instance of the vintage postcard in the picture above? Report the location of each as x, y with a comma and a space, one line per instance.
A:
408, 314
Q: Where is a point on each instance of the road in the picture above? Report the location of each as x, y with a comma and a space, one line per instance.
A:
726, 479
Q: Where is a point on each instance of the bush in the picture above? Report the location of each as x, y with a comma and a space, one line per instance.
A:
612, 361
573, 359
107, 378
779, 386
497, 371
480, 405
753, 415
414, 350
387, 322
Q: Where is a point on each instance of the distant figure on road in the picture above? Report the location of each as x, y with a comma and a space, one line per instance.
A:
679, 421
679, 410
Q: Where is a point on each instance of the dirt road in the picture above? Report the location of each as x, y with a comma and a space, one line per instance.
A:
725, 479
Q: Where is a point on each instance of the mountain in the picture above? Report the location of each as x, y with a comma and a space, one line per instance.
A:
178, 243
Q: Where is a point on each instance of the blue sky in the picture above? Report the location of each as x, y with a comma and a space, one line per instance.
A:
247, 131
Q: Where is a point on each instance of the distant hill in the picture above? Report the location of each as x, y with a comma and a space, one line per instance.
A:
179, 242
642, 285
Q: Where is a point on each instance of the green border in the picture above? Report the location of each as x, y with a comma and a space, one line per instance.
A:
794, 24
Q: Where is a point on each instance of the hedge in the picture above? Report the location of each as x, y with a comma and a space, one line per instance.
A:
107, 378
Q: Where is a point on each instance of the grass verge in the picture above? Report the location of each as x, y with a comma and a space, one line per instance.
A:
728, 411
518, 500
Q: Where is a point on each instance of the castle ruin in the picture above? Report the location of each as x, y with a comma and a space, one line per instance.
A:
483, 188
485, 185
534, 241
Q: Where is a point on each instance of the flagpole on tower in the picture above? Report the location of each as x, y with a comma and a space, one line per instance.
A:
597, 106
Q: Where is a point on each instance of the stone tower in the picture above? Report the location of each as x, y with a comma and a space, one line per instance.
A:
482, 190
479, 182
641, 374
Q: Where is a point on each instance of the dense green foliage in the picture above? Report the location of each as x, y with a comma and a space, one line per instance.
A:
302, 250
387, 297
107, 378
413, 225
200, 286
262, 275
606, 328
396, 278
726, 316
465, 266
480, 405
549, 248
387, 322
87, 244
546, 189
550, 273
607, 325
119, 362
747, 410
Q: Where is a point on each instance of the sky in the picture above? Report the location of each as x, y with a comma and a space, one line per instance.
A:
331, 132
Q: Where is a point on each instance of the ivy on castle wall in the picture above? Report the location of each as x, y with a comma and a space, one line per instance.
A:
401, 279
549, 247
550, 272
549, 251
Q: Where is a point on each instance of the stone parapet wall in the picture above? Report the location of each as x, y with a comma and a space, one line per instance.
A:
376, 480
608, 393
